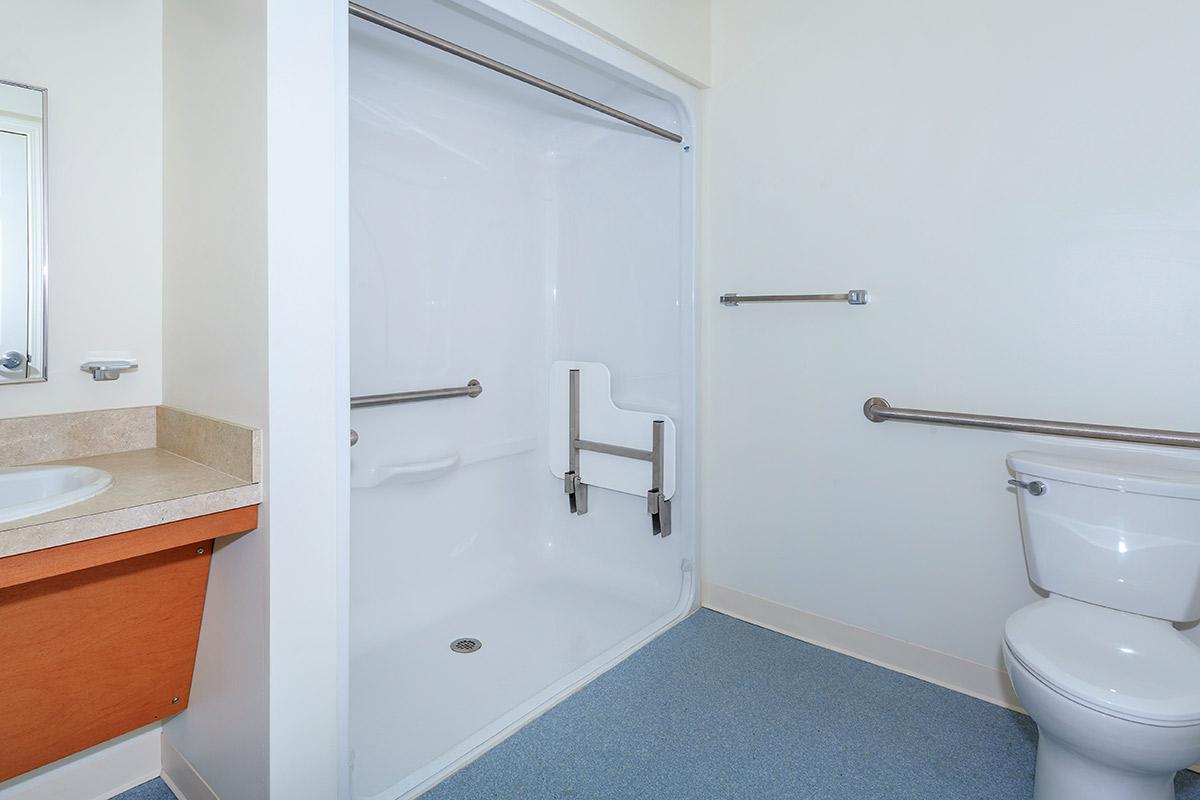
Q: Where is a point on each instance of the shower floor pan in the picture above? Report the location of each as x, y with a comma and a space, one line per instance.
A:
420, 709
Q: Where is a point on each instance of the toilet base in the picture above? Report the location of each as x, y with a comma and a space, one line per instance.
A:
1086, 754
1063, 774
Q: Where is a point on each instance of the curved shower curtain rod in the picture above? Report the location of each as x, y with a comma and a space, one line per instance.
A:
383, 21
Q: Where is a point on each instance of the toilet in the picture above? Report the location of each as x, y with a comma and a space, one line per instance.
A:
1113, 686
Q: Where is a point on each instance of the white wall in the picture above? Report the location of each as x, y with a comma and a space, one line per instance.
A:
1016, 184
214, 212
671, 33
256, 263
102, 65
215, 351
308, 453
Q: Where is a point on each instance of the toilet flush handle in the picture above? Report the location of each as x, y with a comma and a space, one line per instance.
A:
1035, 488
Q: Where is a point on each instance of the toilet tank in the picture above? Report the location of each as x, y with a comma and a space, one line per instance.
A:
1118, 530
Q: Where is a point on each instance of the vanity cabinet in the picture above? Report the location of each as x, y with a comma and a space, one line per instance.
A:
98, 637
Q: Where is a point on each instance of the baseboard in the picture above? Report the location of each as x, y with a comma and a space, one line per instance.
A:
182, 778
943, 669
97, 773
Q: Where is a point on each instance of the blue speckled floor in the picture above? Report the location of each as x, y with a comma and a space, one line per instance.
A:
150, 790
717, 708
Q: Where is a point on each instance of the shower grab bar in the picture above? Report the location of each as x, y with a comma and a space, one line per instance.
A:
395, 25
473, 389
877, 409
855, 297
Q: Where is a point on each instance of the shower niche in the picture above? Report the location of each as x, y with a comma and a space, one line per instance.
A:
503, 233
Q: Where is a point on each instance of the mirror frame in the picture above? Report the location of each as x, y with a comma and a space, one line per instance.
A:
38, 275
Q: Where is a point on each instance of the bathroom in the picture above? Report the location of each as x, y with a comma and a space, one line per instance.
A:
417, 432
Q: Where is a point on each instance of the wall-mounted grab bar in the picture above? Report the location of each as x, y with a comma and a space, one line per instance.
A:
877, 409
855, 297
473, 389
396, 26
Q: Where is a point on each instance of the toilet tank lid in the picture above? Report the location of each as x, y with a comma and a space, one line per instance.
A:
1126, 472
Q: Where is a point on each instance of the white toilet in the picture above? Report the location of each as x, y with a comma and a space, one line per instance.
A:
1113, 686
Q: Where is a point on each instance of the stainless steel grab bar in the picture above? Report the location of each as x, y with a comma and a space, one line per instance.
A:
473, 389
877, 409
396, 26
855, 297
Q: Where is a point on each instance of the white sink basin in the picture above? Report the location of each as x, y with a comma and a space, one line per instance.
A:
25, 491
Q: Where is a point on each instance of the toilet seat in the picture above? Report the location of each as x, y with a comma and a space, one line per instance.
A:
1122, 664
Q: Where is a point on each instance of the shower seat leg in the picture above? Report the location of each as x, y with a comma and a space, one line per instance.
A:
576, 491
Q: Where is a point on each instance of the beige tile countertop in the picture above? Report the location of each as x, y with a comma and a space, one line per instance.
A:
151, 485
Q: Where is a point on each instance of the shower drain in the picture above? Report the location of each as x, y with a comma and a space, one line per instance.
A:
465, 645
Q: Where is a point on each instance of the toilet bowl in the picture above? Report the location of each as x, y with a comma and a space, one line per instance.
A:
1116, 698
1113, 686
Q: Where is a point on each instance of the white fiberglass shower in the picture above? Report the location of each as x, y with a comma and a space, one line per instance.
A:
505, 235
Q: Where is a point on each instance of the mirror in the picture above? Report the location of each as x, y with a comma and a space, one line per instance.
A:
22, 233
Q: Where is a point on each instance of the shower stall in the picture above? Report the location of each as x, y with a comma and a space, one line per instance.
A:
522, 348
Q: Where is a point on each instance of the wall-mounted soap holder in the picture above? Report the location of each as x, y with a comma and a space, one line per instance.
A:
108, 369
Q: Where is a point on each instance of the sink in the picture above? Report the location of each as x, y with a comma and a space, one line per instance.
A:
25, 491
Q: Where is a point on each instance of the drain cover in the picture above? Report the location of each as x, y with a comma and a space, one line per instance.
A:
465, 645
